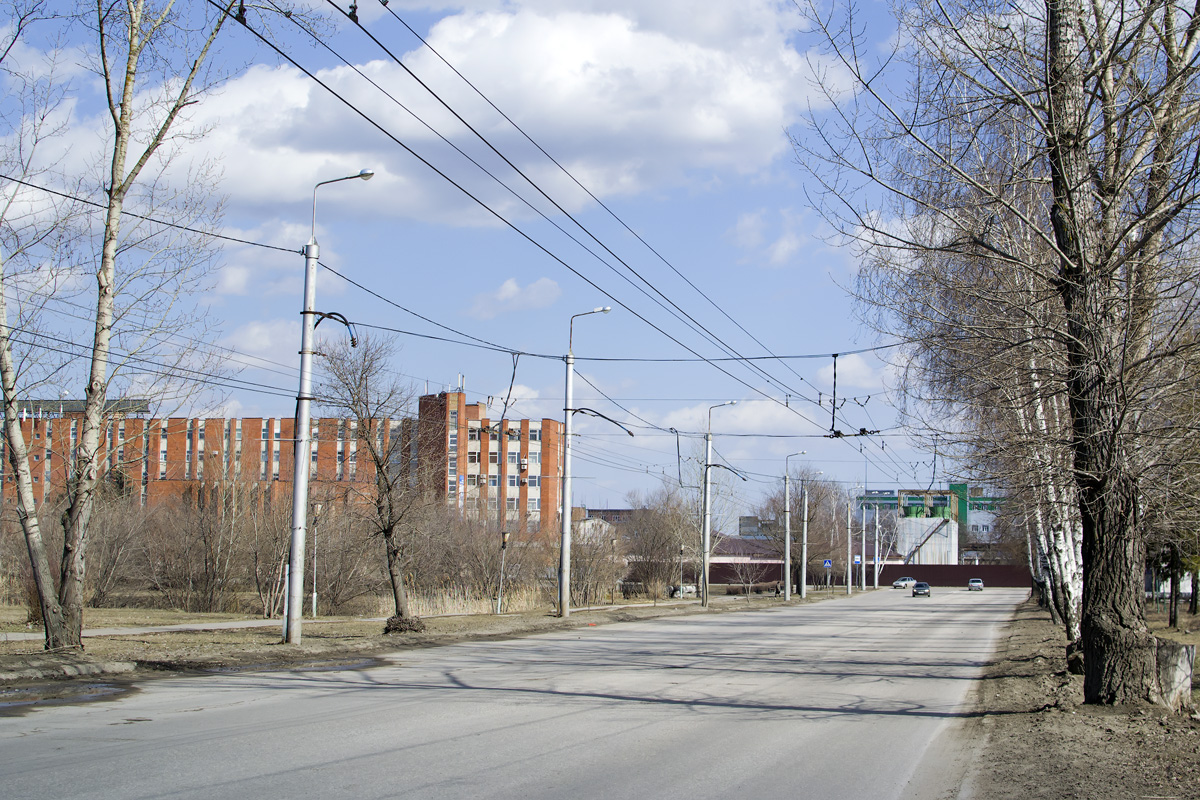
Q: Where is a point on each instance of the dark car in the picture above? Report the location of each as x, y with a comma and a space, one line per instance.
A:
920, 589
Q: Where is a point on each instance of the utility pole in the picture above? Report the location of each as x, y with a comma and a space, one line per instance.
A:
302, 452
706, 528
863, 571
804, 544
787, 531
876, 559
849, 547
564, 559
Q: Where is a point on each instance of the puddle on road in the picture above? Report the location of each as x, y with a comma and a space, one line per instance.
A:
16, 700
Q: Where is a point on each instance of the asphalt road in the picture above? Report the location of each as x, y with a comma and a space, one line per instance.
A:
862, 697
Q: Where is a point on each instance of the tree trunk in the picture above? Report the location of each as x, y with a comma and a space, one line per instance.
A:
1195, 592
396, 575
1176, 574
1119, 650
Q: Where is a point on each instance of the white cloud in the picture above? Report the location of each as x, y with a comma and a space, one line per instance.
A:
853, 371
232, 279
274, 340
628, 95
511, 296
750, 230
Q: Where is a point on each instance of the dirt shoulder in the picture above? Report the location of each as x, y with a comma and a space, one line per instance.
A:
1041, 742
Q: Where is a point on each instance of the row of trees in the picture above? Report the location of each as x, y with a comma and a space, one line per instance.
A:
224, 548
1020, 182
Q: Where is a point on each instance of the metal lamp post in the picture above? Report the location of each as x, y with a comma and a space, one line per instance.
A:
503, 551
564, 556
787, 530
787, 524
706, 530
680, 572
301, 453
617, 579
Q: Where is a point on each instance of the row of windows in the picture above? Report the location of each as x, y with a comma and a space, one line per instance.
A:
514, 434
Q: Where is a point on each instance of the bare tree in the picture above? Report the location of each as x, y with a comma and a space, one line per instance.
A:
153, 59
652, 538
361, 383
1067, 130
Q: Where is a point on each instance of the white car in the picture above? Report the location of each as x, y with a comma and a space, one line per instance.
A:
975, 585
903, 583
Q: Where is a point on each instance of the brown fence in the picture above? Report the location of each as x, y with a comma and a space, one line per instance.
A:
958, 574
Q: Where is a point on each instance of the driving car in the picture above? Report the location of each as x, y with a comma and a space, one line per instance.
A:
903, 583
975, 585
920, 589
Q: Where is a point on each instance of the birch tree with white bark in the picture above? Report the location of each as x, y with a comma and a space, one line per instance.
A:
98, 286
1051, 151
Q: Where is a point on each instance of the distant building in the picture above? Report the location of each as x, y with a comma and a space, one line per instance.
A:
451, 449
482, 465
938, 526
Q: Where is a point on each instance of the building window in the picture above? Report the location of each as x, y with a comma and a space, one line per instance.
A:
493, 435
511, 504
472, 480
535, 434
512, 479
472, 456
535, 457
472, 434
493, 480
535, 481
453, 417
493, 457
492, 505
514, 434
535, 504
512, 457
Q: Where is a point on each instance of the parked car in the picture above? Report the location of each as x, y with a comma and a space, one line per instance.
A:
687, 590
903, 583
920, 589
975, 585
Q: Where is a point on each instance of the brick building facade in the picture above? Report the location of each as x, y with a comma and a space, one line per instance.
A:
450, 449
482, 465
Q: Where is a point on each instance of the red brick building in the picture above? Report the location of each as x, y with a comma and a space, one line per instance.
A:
482, 465
451, 449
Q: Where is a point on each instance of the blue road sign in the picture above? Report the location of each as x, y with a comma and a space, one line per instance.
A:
829, 563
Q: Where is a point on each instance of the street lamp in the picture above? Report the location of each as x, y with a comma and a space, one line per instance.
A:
618, 578
564, 556
503, 551
850, 541
787, 530
707, 528
316, 519
301, 453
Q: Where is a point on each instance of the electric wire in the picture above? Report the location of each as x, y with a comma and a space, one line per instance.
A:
686, 318
522, 233
588, 191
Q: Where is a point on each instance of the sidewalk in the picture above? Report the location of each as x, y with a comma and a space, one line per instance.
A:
278, 623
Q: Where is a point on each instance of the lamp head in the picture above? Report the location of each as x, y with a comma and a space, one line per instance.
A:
601, 309
367, 174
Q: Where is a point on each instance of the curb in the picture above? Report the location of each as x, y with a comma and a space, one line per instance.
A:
67, 671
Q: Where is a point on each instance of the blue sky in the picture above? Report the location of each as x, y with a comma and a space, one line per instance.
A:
674, 114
